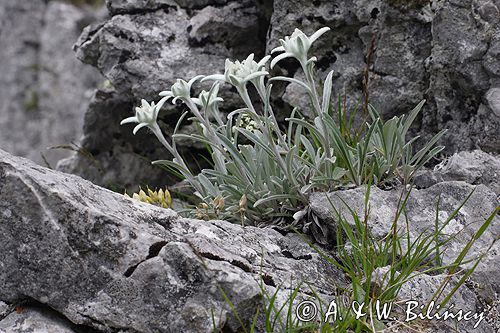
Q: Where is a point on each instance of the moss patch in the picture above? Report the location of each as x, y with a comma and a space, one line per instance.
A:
32, 102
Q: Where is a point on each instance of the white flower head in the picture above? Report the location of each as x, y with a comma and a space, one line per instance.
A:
209, 98
246, 122
180, 89
239, 73
297, 46
145, 115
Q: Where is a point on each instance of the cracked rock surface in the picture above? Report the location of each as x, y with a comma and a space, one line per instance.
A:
105, 263
108, 262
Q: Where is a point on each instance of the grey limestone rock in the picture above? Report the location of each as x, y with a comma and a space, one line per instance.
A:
105, 261
421, 214
474, 167
108, 154
5, 309
128, 6
35, 320
143, 53
493, 97
442, 51
213, 27
421, 288
142, 49
43, 88
21, 22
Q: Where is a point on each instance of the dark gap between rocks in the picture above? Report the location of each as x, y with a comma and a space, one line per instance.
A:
137, 11
154, 250
289, 254
47, 310
236, 263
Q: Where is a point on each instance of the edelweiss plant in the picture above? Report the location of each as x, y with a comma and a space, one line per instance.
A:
271, 170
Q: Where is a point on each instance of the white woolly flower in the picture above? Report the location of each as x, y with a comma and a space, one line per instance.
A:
145, 115
297, 46
239, 73
207, 99
180, 89
247, 123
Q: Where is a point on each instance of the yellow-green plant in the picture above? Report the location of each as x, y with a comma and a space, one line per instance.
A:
161, 198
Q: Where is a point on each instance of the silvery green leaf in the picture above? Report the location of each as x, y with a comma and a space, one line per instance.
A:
411, 117
327, 92
281, 57
305, 189
278, 49
292, 80
318, 34
309, 126
310, 62
255, 75
300, 214
216, 77
276, 197
207, 184
129, 120
138, 127
307, 144
255, 139
289, 161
